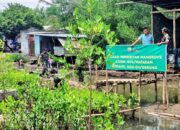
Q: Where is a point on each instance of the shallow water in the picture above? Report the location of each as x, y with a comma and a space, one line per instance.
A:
148, 92
148, 122
144, 121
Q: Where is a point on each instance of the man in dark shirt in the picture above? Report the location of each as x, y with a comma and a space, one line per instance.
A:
44, 61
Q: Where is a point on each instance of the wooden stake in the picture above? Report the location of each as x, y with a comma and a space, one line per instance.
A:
122, 111
174, 29
163, 91
107, 90
165, 11
139, 88
178, 90
130, 87
166, 90
124, 89
116, 88
96, 69
152, 20
155, 85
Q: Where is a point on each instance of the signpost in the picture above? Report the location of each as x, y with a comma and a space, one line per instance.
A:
141, 58
149, 58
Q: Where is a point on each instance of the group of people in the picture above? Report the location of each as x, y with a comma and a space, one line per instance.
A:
147, 38
46, 62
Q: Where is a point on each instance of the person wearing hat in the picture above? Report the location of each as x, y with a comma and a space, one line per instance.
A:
166, 37
165, 40
146, 38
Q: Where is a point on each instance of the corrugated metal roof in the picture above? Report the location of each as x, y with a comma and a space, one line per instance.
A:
60, 35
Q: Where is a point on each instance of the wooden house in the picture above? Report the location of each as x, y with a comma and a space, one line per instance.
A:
33, 43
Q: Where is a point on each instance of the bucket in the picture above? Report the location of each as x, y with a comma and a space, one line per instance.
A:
171, 58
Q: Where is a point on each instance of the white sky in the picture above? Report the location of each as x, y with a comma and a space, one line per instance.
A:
28, 3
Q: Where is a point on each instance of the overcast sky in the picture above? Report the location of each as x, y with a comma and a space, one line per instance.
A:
28, 3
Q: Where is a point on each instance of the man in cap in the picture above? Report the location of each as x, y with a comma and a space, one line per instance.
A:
165, 40
166, 37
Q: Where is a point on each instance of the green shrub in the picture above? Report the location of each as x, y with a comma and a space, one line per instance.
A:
41, 108
10, 77
63, 108
16, 57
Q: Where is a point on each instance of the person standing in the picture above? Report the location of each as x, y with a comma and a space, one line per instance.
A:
166, 38
146, 38
50, 61
44, 57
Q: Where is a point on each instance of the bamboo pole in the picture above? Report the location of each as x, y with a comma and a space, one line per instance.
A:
155, 85
164, 115
116, 88
152, 20
123, 3
96, 69
165, 11
174, 28
163, 91
90, 94
139, 88
178, 91
124, 89
130, 87
107, 81
170, 115
166, 90
122, 111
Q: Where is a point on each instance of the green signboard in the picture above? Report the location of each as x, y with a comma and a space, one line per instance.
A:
148, 58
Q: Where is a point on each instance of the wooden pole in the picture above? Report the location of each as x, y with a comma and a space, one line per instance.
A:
123, 3
166, 90
122, 111
174, 28
178, 90
163, 91
130, 87
96, 69
165, 11
90, 94
124, 89
139, 88
152, 20
107, 90
155, 85
116, 88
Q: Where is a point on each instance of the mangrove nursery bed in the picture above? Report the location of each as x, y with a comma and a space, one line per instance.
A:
41, 108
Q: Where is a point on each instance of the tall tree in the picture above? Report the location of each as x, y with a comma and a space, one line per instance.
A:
62, 12
126, 20
18, 17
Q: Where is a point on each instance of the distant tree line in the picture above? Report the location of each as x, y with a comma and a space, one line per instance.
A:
17, 17
126, 20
